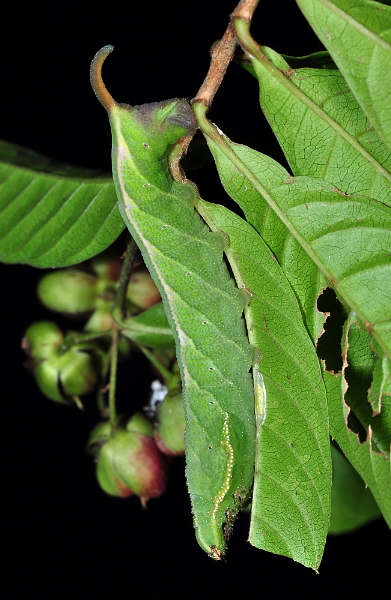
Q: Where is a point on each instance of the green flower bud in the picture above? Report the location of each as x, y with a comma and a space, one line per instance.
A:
130, 463
41, 339
169, 432
101, 318
139, 424
98, 436
77, 371
46, 376
69, 291
64, 377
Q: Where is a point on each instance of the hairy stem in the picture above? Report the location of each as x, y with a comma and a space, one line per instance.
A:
113, 382
126, 271
245, 10
222, 54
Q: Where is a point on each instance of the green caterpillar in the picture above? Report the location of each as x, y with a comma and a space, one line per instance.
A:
202, 303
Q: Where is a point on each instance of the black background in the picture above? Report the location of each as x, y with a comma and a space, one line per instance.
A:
63, 536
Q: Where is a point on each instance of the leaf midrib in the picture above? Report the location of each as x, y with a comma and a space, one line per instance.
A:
310, 104
344, 16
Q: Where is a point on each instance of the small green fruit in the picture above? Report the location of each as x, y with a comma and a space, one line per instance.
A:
41, 339
63, 378
139, 424
169, 432
101, 318
69, 291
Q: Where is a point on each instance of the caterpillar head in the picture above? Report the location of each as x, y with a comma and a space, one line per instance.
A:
170, 119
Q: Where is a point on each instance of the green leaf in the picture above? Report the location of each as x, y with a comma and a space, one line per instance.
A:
291, 499
352, 503
149, 327
303, 275
347, 238
360, 364
317, 60
358, 36
320, 126
53, 215
380, 392
373, 467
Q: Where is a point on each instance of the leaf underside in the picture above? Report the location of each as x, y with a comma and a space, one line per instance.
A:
291, 498
53, 215
345, 240
358, 36
372, 466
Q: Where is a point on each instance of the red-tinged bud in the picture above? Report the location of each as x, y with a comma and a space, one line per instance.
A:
107, 265
130, 463
41, 339
142, 291
69, 291
170, 426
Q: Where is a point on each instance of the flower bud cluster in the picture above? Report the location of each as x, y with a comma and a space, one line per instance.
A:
75, 292
132, 455
62, 374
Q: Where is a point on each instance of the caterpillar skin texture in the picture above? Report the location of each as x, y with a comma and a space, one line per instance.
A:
203, 306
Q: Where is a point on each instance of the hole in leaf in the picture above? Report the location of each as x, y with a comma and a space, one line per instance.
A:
358, 374
329, 343
355, 426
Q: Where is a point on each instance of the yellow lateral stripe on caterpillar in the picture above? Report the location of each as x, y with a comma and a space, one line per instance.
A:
230, 463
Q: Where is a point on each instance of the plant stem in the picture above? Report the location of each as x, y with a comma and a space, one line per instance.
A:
165, 373
119, 304
101, 396
78, 338
245, 10
126, 271
222, 54
113, 382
